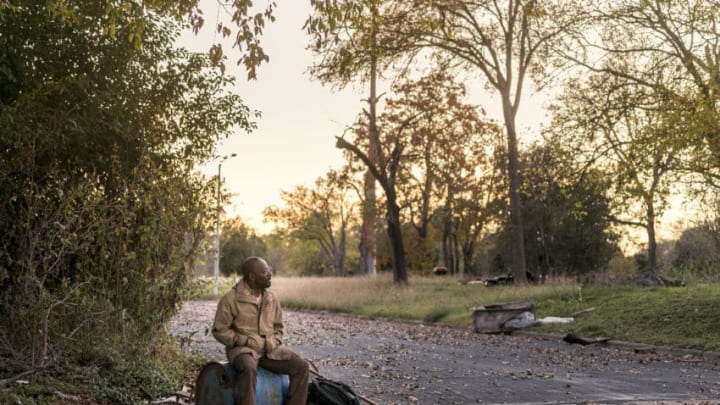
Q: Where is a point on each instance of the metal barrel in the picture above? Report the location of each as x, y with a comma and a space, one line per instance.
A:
215, 381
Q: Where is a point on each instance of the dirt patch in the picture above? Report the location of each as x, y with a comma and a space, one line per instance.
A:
406, 363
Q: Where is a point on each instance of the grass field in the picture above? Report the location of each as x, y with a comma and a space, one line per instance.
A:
687, 317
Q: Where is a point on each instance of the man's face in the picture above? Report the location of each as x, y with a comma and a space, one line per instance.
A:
261, 275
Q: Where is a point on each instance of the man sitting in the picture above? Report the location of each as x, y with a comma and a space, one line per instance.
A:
249, 323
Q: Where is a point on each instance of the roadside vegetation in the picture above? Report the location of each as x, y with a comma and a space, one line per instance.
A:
103, 375
684, 317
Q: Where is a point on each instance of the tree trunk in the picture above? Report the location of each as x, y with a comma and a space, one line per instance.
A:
422, 228
456, 253
467, 255
446, 248
441, 262
516, 223
362, 260
396, 241
368, 241
546, 264
340, 254
652, 243
368, 244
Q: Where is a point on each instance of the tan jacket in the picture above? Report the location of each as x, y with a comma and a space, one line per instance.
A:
244, 326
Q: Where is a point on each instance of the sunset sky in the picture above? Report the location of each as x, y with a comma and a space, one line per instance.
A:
294, 142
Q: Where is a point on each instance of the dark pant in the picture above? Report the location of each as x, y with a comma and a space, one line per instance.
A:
296, 368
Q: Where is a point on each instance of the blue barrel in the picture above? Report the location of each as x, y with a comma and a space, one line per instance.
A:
215, 381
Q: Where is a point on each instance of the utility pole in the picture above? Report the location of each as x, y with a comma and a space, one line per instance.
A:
216, 264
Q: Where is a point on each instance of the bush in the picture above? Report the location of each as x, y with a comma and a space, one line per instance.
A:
101, 210
698, 250
622, 266
99, 375
112, 271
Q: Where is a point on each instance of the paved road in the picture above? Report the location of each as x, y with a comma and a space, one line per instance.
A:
411, 363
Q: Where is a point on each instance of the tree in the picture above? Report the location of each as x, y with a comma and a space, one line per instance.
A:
345, 37
569, 229
104, 213
628, 134
569, 214
697, 251
478, 202
321, 214
448, 159
508, 42
129, 20
237, 244
427, 132
386, 169
670, 49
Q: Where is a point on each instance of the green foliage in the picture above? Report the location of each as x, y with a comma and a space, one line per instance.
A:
698, 250
128, 20
621, 265
237, 243
305, 259
102, 213
202, 287
663, 48
566, 223
341, 35
291, 257
121, 381
628, 136
198, 287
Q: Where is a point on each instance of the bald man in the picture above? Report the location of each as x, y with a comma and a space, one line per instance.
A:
249, 323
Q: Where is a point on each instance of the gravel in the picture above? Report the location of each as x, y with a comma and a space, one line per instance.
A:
392, 362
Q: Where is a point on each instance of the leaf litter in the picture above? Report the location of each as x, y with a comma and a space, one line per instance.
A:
400, 362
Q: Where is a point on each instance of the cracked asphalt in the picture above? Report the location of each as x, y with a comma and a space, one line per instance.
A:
393, 362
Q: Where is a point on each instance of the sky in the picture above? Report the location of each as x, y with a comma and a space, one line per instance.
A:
294, 142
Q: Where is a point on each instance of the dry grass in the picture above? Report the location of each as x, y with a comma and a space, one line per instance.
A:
332, 293
425, 298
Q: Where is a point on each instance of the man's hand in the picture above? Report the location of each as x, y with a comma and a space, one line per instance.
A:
270, 344
255, 345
